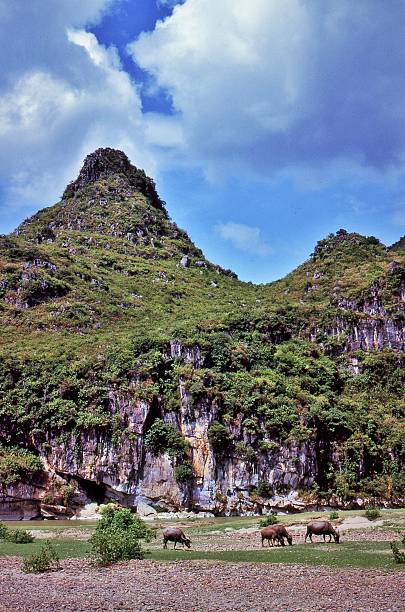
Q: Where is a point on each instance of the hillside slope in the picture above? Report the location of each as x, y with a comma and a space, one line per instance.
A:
134, 369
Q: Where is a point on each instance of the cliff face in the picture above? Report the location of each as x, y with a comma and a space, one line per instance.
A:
131, 368
101, 468
366, 323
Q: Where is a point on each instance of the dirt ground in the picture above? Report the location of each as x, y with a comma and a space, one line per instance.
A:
199, 586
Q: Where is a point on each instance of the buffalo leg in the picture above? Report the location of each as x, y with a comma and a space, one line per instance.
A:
164, 543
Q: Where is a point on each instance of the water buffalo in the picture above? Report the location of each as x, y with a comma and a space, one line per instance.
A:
276, 533
173, 534
323, 528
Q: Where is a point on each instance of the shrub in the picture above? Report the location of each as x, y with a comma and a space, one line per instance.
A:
111, 545
3, 531
219, 436
264, 489
17, 463
117, 536
163, 437
334, 515
245, 452
372, 514
399, 557
270, 519
44, 561
184, 472
19, 536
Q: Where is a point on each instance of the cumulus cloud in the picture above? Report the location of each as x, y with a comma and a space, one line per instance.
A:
244, 238
62, 94
278, 86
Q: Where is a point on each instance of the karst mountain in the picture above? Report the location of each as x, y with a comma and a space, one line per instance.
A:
134, 369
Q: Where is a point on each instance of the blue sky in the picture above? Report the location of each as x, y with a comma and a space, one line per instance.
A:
266, 124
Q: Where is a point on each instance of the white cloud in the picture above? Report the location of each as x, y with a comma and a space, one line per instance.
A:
272, 85
60, 99
244, 238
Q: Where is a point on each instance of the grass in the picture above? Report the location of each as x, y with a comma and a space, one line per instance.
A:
66, 549
365, 555
59, 526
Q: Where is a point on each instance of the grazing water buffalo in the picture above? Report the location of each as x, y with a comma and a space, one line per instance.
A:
173, 534
276, 533
323, 528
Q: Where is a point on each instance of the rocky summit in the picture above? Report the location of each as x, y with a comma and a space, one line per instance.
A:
133, 369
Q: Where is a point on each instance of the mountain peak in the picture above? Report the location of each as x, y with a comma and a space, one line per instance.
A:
347, 243
106, 162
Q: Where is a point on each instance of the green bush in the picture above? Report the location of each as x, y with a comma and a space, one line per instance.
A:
3, 531
117, 536
17, 463
45, 560
399, 557
184, 472
334, 515
19, 536
163, 437
219, 436
372, 514
264, 489
270, 519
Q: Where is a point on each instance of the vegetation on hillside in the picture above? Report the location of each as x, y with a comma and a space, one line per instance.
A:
94, 289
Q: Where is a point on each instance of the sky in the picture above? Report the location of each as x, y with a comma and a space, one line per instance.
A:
266, 124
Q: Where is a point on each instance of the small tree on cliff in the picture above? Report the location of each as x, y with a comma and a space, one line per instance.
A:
219, 437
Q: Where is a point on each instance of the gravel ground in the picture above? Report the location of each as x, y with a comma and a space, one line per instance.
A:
199, 586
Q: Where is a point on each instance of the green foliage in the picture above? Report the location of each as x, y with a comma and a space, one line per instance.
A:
245, 452
269, 519
92, 294
372, 514
264, 489
16, 464
118, 536
47, 559
18, 536
163, 437
3, 531
184, 472
399, 556
219, 437
334, 515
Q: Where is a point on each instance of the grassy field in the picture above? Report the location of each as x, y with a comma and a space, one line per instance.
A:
360, 554
376, 555
66, 549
